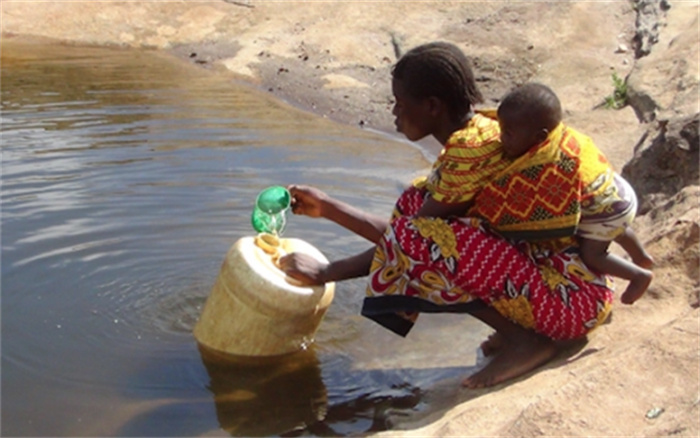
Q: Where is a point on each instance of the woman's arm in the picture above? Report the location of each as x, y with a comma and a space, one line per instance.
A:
315, 203
312, 202
363, 224
310, 271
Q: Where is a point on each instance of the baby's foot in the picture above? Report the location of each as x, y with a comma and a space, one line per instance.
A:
638, 285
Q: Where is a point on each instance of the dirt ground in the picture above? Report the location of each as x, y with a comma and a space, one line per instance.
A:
639, 375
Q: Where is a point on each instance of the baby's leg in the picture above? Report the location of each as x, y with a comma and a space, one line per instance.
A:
596, 256
629, 242
519, 350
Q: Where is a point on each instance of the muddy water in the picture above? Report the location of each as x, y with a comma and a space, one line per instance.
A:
126, 176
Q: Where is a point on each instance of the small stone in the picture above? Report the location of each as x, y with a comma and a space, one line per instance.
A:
654, 413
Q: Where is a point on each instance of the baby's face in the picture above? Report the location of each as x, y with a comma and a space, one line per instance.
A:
517, 136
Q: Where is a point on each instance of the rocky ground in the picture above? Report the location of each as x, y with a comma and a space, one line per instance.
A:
638, 375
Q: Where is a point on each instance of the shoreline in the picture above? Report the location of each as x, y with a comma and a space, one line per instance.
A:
295, 83
302, 90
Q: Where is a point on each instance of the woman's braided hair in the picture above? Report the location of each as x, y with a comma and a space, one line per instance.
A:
441, 70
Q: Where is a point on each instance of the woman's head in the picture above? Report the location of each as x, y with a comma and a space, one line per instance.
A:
527, 115
427, 75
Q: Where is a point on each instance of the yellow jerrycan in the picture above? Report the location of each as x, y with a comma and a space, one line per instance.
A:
254, 308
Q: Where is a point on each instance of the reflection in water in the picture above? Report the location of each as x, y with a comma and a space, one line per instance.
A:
126, 177
286, 395
266, 396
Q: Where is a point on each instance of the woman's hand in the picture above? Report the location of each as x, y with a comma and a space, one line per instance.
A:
307, 201
303, 267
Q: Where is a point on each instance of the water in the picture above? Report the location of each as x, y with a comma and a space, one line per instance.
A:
126, 176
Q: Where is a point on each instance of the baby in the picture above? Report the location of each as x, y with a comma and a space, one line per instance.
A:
527, 115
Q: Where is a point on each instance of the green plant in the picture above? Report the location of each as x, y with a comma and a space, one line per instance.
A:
618, 99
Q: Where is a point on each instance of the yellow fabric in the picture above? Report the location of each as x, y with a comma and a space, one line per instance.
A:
539, 195
469, 159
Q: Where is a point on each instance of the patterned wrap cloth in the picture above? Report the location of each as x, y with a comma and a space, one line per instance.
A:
470, 158
451, 265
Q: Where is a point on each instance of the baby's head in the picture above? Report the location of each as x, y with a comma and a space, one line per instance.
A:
437, 70
527, 115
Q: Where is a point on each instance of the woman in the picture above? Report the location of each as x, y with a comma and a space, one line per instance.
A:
432, 257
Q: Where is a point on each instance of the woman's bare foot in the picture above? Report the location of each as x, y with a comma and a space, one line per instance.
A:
492, 344
514, 359
638, 285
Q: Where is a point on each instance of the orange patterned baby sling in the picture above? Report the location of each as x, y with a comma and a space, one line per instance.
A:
539, 195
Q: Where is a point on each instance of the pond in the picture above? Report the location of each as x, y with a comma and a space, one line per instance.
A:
126, 176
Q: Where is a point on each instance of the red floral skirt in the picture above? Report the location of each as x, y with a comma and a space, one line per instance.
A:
453, 265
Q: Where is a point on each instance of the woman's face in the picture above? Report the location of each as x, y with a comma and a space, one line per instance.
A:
413, 116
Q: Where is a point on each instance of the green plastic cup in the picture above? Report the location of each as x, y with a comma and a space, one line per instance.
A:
270, 212
273, 200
